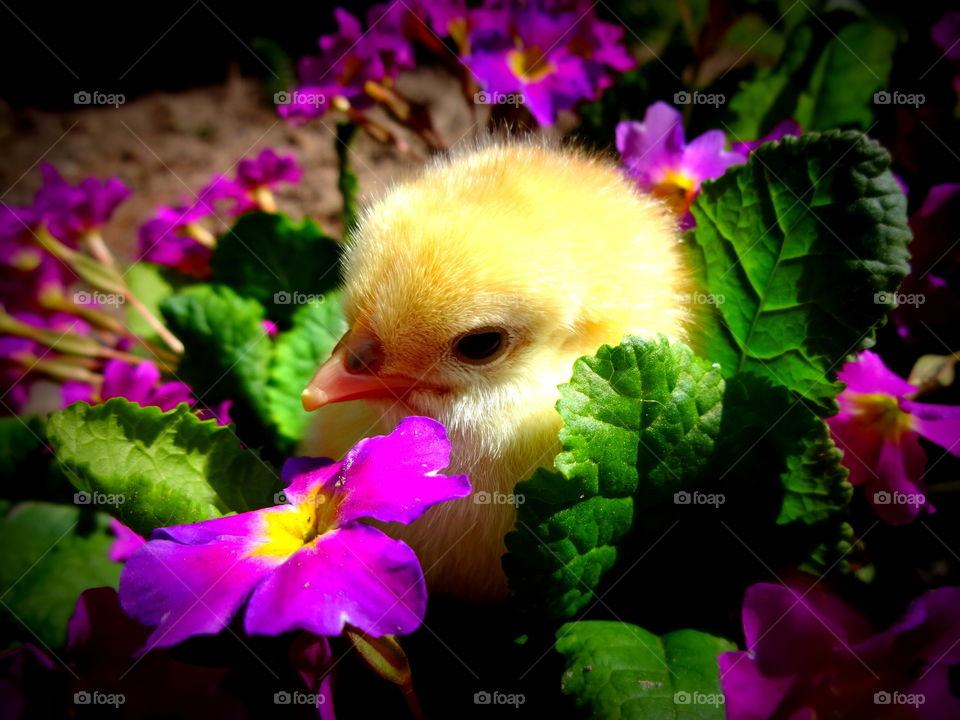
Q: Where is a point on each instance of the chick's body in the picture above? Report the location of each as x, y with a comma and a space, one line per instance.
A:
545, 253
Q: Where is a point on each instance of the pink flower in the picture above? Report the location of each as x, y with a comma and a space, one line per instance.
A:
879, 431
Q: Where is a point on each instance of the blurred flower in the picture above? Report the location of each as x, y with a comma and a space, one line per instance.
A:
257, 177
780, 130
29, 272
72, 211
879, 431
99, 657
810, 655
308, 565
219, 412
546, 55
657, 155
127, 541
139, 383
946, 34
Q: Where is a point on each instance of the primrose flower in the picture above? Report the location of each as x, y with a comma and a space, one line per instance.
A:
657, 155
308, 565
810, 655
29, 272
879, 431
139, 383
549, 55
71, 211
257, 177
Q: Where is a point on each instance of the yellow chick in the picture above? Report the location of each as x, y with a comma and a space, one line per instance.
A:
470, 291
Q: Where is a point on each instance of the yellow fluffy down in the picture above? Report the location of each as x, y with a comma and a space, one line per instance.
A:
554, 245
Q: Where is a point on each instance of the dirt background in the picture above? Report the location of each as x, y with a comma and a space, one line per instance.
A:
166, 147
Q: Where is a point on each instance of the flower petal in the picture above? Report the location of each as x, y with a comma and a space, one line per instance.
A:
861, 450
749, 694
867, 374
939, 424
191, 579
394, 478
354, 575
898, 494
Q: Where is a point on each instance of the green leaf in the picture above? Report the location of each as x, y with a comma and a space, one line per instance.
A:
299, 352
269, 258
618, 671
228, 354
151, 285
153, 469
640, 421
854, 65
803, 247
51, 553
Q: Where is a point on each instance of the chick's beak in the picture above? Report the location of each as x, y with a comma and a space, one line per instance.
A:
352, 373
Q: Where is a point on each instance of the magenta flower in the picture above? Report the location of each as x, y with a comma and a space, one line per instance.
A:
548, 56
127, 542
257, 177
656, 153
308, 565
28, 271
810, 655
879, 431
138, 383
946, 34
349, 58
72, 211
780, 130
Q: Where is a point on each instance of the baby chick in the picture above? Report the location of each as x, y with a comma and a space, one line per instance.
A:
469, 292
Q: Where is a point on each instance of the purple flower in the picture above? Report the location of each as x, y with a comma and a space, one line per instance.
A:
219, 412
946, 34
138, 383
28, 271
548, 55
127, 541
257, 177
879, 431
656, 153
351, 57
308, 565
72, 211
810, 655
781, 129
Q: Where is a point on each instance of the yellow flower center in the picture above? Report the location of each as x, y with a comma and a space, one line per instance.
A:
289, 528
677, 190
880, 414
529, 65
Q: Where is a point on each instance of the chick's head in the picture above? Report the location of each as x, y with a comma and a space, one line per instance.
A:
471, 289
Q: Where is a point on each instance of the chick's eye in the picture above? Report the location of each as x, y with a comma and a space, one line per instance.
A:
481, 346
